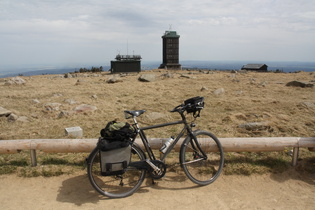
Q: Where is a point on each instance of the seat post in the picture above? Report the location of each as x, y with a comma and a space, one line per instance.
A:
135, 121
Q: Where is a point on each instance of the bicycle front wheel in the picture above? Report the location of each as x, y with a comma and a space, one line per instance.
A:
116, 186
200, 169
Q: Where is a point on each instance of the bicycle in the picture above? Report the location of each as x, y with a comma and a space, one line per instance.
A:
201, 155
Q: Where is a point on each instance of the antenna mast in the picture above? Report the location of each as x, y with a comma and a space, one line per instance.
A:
127, 48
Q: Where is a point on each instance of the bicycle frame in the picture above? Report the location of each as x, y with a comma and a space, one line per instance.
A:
140, 131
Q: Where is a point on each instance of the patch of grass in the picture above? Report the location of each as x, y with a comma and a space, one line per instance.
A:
28, 172
236, 163
7, 169
9, 163
247, 163
48, 165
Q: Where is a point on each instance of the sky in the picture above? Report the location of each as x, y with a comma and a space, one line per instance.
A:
63, 32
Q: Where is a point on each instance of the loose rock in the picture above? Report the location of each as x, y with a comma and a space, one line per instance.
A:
22, 119
203, 88
114, 79
15, 81
255, 126
4, 112
36, 101
147, 78
299, 84
12, 117
52, 106
219, 91
70, 101
85, 108
306, 104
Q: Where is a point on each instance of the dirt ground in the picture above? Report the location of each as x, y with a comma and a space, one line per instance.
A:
289, 190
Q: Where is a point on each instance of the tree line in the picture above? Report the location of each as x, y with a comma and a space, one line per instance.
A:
93, 69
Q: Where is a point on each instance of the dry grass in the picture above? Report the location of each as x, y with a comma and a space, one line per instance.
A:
250, 97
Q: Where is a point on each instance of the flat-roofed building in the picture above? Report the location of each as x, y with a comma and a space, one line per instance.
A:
126, 63
255, 67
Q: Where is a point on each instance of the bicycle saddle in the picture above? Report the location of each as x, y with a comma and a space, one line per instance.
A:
135, 113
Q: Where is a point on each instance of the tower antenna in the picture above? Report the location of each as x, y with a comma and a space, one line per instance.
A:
170, 27
127, 48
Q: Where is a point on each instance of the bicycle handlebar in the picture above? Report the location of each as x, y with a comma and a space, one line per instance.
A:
185, 107
181, 107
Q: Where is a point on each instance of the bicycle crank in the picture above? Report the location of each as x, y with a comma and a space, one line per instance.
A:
158, 168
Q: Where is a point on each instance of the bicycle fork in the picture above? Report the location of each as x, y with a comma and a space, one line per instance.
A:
197, 149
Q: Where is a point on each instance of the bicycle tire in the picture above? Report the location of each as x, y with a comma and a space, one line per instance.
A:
116, 186
199, 170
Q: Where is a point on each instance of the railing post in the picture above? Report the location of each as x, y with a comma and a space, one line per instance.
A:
33, 157
295, 156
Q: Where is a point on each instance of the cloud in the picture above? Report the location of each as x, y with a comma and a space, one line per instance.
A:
209, 29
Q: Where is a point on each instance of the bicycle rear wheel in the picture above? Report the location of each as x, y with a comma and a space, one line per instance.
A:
202, 170
116, 186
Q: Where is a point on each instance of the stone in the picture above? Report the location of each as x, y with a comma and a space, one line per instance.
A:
70, 101
167, 75
57, 95
35, 101
52, 106
15, 81
114, 79
85, 108
68, 75
306, 104
187, 76
12, 117
75, 132
263, 84
255, 126
4, 112
22, 119
203, 88
239, 92
80, 82
299, 84
63, 114
147, 78
219, 91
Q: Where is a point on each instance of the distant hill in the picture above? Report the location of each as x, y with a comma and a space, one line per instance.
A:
186, 64
43, 72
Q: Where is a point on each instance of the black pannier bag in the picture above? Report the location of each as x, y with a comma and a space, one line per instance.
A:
195, 104
118, 131
115, 148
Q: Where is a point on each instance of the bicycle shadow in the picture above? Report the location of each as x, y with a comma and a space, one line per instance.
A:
78, 190
171, 181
